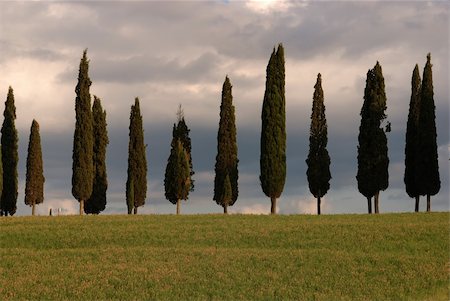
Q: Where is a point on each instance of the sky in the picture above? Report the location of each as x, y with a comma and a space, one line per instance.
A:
178, 52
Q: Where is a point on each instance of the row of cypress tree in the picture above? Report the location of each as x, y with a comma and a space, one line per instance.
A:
34, 185
89, 179
421, 175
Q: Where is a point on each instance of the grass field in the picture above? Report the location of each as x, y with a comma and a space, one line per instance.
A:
338, 257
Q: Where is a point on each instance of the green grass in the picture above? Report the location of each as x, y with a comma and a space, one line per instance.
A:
335, 257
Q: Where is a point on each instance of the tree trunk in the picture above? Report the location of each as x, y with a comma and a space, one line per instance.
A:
417, 203
376, 199
135, 210
178, 207
81, 207
273, 208
318, 205
225, 209
428, 203
369, 203
33, 209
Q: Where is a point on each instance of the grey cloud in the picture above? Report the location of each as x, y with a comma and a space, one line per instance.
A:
141, 69
144, 47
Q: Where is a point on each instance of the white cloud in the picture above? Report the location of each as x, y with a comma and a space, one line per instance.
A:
59, 207
37, 95
304, 206
268, 6
254, 209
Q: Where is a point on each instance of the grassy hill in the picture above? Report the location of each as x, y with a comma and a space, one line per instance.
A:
339, 257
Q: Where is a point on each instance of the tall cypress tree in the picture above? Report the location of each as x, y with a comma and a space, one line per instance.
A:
10, 156
427, 176
97, 201
136, 187
226, 160
273, 131
83, 141
1, 182
373, 158
318, 160
175, 179
182, 131
34, 187
412, 128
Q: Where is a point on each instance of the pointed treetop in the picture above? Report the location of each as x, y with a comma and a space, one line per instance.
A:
10, 108
226, 84
318, 84
319, 80
280, 47
377, 67
35, 124
428, 61
180, 113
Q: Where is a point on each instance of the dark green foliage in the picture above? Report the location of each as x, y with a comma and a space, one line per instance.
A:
178, 174
183, 171
181, 131
273, 131
136, 187
83, 141
373, 158
412, 128
97, 201
318, 160
34, 187
130, 196
226, 159
1, 182
10, 156
427, 176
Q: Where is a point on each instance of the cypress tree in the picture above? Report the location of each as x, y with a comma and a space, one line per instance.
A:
1, 182
10, 157
97, 201
273, 131
182, 132
318, 160
373, 158
411, 138
226, 159
136, 187
175, 179
83, 141
34, 187
427, 176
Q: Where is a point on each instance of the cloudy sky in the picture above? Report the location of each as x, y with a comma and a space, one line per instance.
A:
179, 52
